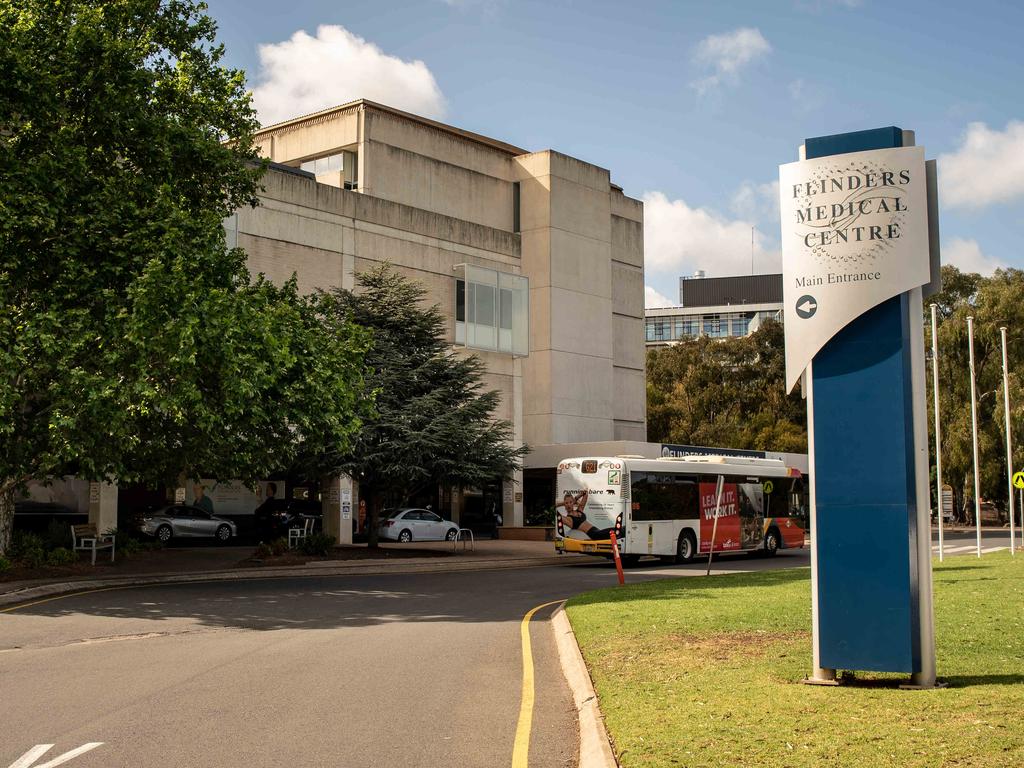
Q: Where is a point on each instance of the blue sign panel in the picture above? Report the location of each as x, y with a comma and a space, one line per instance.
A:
865, 485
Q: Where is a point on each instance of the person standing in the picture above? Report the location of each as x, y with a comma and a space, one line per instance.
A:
201, 500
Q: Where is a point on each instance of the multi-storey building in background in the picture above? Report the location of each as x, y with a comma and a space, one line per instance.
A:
536, 258
719, 307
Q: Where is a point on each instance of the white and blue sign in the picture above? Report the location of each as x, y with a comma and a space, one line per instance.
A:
856, 252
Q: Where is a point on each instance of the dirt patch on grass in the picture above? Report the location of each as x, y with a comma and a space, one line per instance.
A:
723, 646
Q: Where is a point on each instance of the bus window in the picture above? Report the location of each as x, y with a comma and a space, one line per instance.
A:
663, 496
751, 510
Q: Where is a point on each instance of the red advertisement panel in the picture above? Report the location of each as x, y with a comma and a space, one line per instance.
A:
727, 535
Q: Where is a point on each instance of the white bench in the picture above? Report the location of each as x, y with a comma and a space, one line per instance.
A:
85, 538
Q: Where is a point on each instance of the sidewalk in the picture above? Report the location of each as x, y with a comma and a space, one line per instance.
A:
190, 564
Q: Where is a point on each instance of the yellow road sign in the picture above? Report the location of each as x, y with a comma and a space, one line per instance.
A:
1018, 479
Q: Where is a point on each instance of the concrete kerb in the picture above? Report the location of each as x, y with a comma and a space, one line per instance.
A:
595, 747
325, 568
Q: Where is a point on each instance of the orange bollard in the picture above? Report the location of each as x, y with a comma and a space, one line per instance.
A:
618, 560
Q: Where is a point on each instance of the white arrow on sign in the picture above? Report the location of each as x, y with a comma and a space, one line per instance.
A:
30, 757
807, 305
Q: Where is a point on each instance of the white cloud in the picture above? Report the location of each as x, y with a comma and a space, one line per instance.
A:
653, 299
679, 239
304, 74
987, 168
966, 256
759, 202
727, 54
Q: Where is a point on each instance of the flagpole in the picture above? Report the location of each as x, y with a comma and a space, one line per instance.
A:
938, 429
974, 434
1009, 444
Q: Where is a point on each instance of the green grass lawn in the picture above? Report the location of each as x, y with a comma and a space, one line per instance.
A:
706, 672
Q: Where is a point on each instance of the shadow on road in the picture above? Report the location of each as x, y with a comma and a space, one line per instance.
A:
355, 601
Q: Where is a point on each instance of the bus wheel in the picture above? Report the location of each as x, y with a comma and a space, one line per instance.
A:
771, 542
686, 548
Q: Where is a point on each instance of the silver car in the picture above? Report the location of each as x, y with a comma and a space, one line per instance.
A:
412, 524
183, 521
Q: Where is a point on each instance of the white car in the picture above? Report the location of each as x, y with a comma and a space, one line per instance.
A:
413, 524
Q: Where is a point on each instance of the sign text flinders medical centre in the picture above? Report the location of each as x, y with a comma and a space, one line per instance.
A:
854, 233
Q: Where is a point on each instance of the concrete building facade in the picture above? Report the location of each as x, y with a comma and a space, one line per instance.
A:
536, 258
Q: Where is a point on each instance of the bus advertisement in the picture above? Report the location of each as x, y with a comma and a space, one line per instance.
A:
667, 507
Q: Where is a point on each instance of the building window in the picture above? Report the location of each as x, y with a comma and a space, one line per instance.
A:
714, 327
515, 206
740, 325
649, 330
686, 328
492, 310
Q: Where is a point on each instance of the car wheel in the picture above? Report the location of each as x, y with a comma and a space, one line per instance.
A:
223, 533
771, 542
686, 548
450, 536
405, 535
164, 533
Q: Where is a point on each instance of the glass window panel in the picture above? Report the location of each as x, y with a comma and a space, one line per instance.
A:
334, 162
309, 165
321, 166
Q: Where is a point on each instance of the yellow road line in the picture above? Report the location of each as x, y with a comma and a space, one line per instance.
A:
521, 750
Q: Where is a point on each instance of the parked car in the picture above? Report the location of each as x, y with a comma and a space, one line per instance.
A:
992, 515
184, 521
411, 524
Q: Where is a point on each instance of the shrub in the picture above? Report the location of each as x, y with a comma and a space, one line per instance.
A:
317, 544
61, 556
22, 542
58, 534
5, 564
279, 546
263, 551
33, 557
129, 546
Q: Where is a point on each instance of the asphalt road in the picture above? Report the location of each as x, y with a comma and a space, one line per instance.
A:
398, 670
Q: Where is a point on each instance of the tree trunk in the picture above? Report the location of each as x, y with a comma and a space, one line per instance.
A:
6, 518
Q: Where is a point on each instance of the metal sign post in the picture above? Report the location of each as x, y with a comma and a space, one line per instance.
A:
714, 525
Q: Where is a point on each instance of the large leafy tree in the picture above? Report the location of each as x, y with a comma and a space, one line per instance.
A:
725, 392
133, 344
434, 421
993, 302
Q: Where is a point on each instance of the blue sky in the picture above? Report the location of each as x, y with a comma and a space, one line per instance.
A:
691, 105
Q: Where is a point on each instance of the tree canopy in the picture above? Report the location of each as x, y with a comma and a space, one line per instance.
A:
133, 343
725, 392
993, 302
434, 422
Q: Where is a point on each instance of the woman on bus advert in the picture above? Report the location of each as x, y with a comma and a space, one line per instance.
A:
575, 516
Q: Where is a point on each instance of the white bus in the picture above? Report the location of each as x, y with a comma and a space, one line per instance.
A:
666, 507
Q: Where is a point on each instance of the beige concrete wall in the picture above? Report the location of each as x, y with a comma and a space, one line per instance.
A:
406, 177
431, 197
317, 136
324, 234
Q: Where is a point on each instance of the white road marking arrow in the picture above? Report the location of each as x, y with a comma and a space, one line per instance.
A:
30, 757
